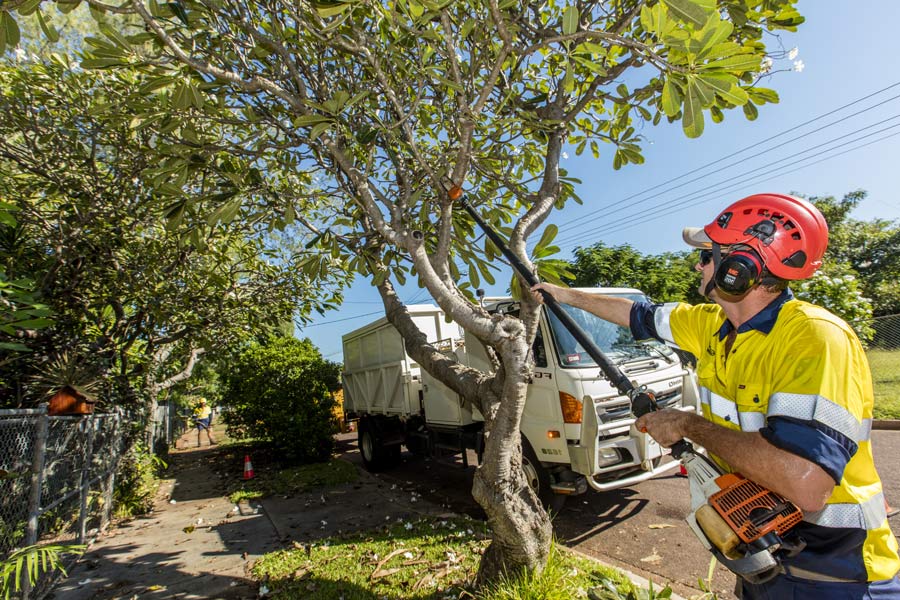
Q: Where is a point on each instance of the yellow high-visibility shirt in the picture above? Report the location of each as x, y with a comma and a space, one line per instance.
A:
798, 375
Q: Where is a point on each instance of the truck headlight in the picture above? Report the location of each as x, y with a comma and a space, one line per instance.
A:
608, 456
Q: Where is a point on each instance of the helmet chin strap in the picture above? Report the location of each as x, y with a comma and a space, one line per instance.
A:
716, 260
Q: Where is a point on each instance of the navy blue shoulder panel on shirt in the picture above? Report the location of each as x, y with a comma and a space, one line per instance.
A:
642, 322
813, 441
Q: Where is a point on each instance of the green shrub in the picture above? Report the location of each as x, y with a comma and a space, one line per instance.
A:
280, 391
137, 481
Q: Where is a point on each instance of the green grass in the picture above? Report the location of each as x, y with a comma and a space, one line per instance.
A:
885, 366
430, 559
294, 480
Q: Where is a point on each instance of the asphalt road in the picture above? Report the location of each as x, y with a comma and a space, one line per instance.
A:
640, 529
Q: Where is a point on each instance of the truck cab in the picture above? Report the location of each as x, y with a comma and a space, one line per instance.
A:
575, 421
576, 428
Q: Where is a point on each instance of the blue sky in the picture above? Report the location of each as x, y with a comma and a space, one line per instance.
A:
847, 53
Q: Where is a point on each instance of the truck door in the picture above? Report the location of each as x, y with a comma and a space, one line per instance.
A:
542, 413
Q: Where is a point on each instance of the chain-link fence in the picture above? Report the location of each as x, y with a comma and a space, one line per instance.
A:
56, 478
883, 352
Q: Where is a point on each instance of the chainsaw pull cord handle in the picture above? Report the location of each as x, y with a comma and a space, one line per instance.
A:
642, 401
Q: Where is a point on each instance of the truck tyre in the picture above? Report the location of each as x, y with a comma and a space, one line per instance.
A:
539, 479
372, 451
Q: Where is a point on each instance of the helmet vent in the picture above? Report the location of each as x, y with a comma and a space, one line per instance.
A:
764, 231
724, 219
796, 260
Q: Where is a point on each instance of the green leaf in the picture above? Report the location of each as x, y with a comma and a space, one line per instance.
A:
225, 213
740, 62
671, 98
7, 219
101, 63
716, 113
760, 95
570, 20
726, 87
14, 347
692, 121
32, 323
750, 111
66, 6
689, 11
114, 36
29, 7
178, 11
548, 236
330, 9
49, 30
155, 84
705, 92
9, 31
319, 130
592, 66
654, 19
310, 119
182, 98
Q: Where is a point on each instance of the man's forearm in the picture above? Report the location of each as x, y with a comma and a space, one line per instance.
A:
609, 308
797, 479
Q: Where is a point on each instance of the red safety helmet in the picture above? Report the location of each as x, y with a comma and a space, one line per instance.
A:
788, 233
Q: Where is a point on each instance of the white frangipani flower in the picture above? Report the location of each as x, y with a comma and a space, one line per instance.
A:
793, 53
766, 65
799, 66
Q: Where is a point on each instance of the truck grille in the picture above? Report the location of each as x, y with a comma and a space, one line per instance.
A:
617, 409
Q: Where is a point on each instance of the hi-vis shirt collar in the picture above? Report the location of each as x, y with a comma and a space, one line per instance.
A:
763, 321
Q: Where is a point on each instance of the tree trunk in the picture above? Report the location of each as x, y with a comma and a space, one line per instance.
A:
521, 526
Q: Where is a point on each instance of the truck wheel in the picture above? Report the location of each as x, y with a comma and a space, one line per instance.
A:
539, 479
370, 448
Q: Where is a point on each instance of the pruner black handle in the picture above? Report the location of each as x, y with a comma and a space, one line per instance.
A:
644, 402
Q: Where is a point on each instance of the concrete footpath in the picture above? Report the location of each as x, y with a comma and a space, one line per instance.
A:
197, 544
194, 544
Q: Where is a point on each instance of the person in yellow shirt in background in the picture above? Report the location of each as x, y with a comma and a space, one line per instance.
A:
786, 393
203, 421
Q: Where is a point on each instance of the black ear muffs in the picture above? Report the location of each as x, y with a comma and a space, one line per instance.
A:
738, 272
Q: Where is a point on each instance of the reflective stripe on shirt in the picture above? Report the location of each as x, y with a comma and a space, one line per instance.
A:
724, 408
867, 515
812, 407
661, 320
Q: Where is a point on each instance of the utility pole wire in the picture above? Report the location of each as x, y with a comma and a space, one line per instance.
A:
750, 147
736, 185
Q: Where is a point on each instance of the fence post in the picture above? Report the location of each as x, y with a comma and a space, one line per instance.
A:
111, 476
39, 452
86, 478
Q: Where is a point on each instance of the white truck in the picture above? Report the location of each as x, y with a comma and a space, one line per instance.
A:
576, 428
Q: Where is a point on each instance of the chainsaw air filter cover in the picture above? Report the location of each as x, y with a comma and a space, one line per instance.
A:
751, 510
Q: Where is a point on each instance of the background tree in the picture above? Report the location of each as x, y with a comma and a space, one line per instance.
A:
869, 248
280, 390
133, 298
362, 114
666, 277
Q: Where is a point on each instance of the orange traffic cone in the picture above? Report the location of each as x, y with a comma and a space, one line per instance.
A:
248, 467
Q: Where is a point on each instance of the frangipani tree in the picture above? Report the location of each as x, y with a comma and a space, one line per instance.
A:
362, 114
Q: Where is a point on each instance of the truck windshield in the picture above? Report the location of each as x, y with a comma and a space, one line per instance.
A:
616, 342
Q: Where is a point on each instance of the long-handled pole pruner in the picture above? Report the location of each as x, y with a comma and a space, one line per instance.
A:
642, 401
